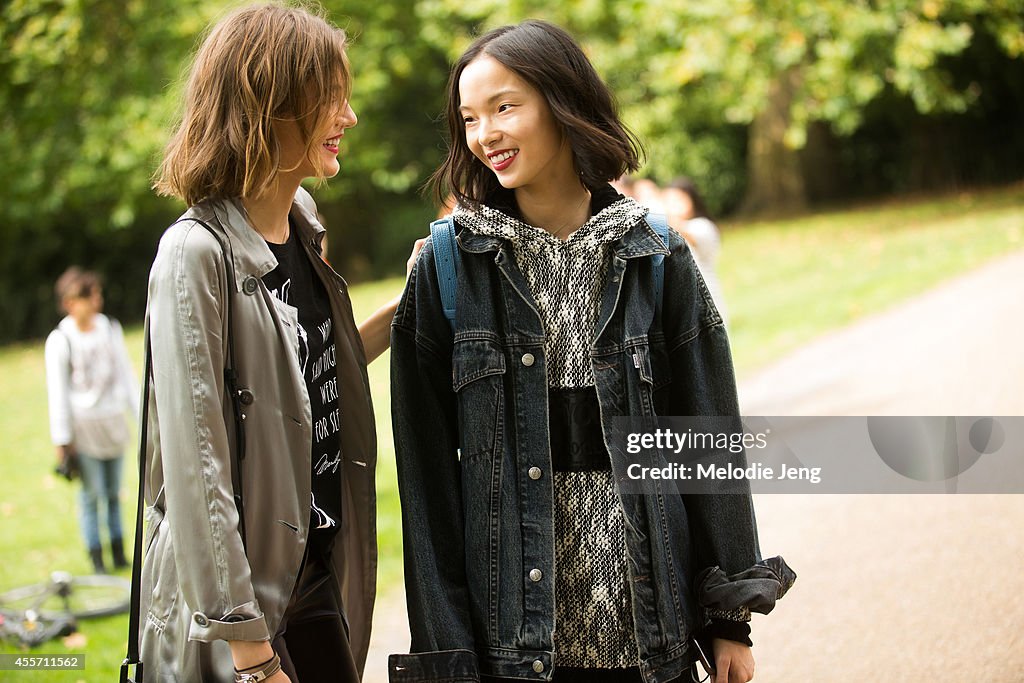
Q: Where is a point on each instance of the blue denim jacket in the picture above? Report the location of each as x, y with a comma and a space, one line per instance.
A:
470, 421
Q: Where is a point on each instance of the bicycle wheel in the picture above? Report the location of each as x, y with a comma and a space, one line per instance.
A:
82, 596
34, 630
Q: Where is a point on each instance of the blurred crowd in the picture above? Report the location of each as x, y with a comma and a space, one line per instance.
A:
684, 207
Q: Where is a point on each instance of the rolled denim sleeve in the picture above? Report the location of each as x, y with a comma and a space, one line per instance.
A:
755, 589
425, 423
186, 294
723, 528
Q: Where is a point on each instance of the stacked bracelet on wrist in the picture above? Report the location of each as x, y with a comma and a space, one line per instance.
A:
260, 672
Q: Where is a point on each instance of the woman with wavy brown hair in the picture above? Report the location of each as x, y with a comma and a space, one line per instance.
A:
260, 555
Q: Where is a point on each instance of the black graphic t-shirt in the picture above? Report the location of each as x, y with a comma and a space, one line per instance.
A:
295, 283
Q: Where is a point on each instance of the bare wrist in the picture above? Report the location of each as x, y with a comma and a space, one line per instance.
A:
248, 653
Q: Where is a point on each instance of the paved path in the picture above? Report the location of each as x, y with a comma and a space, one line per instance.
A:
902, 588
922, 588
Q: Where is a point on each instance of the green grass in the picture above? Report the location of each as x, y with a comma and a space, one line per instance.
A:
366, 299
786, 282
38, 512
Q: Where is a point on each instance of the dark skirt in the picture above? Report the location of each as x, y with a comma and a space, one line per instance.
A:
313, 639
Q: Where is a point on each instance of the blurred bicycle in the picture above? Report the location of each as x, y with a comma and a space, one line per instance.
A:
32, 615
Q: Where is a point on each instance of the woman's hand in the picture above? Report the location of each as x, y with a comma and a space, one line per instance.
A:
246, 654
376, 330
249, 653
416, 248
67, 462
734, 662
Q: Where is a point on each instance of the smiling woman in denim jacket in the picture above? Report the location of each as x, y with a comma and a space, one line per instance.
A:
522, 559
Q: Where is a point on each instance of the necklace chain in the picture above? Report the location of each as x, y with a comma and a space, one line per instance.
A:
558, 233
252, 223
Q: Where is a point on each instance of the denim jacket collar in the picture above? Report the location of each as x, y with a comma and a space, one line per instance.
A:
639, 242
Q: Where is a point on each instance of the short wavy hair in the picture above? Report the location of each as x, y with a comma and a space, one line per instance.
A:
550, 60
259, 64
76, 283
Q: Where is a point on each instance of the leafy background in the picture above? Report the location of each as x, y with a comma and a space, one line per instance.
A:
772, 106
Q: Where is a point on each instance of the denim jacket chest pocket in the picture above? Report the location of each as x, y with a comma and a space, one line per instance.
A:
652, 363
478, 369
649, 373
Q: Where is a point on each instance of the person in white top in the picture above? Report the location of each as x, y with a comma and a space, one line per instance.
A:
647, 193
91, 386
687, 213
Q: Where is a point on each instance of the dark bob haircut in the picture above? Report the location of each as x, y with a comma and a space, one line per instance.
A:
550, 60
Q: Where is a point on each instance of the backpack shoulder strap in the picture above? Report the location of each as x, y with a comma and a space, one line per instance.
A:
659, 224
446, 261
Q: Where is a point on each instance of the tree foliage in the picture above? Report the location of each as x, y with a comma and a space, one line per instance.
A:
89, 90
83, 109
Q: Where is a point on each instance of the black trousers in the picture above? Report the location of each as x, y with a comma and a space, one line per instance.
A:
313, 638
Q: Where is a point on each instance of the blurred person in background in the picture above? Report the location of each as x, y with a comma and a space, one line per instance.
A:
647, 193
91, 388
624, 185
688, 214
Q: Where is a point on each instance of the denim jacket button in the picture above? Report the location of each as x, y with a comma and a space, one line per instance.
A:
538, 666
536, 575
528, 359
534, 473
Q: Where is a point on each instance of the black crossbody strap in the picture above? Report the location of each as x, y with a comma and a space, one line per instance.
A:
231, 387
132, 657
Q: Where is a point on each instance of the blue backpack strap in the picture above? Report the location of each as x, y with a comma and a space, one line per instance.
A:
446, 261
659, 224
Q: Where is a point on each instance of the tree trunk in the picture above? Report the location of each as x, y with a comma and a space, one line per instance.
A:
823, 173
775, 181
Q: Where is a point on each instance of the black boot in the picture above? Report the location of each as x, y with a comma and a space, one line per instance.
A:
96, 555
117, 550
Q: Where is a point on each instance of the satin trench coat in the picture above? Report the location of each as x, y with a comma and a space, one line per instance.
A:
200, 587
